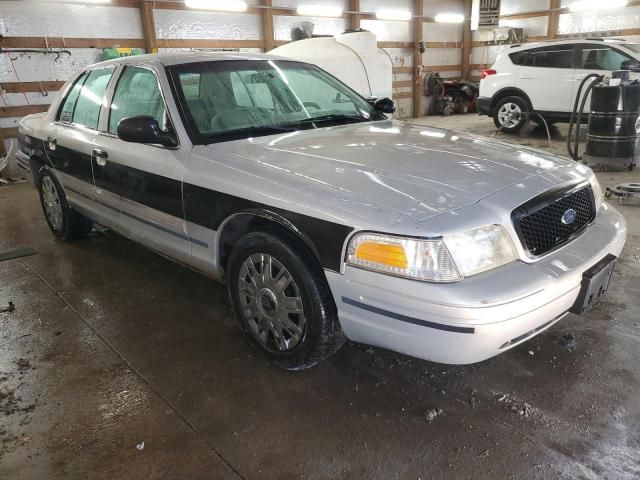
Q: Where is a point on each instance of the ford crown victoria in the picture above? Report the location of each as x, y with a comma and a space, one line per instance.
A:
326, 219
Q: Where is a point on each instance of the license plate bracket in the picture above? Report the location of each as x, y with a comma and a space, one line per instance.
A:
595, 283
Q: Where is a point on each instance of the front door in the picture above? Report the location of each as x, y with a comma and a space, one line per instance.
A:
547, 77
143, 182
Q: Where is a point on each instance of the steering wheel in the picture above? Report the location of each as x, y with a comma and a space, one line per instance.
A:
312, 104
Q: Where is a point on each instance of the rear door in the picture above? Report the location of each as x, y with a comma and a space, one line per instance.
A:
142, 182
547, 77
70, 144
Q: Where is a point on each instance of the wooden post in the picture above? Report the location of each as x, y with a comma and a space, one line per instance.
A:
148, 26
417, 57
267, 26
466, 41
554, 16
354, 18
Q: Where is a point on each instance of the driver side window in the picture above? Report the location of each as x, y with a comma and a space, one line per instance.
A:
137, 93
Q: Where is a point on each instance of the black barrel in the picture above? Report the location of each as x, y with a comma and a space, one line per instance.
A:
613, 137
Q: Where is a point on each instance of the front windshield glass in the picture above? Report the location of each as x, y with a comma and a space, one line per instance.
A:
233, 99
634, 47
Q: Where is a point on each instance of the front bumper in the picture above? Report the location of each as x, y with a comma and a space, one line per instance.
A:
480, 317
483, 105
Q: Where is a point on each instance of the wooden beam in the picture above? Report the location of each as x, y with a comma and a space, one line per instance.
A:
22, 110
466, 40
554, 16
402, 95
354, 18
59, 42
442, 68
402, 83
9, 132
417, 57
442, 44
267, 27
148, 26
23, 87
395, 44
402, 70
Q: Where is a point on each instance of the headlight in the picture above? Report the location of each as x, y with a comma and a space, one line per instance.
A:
440, 260
482, 249
597, 191
418, 259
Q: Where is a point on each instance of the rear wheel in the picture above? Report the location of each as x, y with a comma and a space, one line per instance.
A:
63, 220
511, 114
282, 301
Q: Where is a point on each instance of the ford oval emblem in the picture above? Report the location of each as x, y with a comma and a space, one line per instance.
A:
568, 217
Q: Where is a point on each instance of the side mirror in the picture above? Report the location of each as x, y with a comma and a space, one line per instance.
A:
631, 65
384, 105
144, 129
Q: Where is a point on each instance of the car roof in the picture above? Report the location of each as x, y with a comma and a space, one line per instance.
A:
178, 58
595, 41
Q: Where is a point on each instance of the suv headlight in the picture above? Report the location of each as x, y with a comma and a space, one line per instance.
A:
448, 259
597, 191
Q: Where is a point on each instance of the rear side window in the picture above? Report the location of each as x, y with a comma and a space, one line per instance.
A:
87, 109
598, 57
521, 58
69, 104
553, 59
137, 94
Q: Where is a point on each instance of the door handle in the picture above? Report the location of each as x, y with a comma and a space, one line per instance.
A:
101, 156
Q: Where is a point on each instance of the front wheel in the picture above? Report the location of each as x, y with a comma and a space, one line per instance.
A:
511, 114
282, 301
64, 222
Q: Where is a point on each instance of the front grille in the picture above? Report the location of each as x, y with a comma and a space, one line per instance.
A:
540, 221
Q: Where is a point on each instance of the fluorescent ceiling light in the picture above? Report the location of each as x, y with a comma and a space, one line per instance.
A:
583, 5
219, 5
319, 11
449, 18
397, 15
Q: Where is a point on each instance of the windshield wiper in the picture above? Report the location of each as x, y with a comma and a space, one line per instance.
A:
251, 131
334, 117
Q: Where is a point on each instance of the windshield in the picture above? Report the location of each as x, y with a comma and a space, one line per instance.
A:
225, 100
634, 47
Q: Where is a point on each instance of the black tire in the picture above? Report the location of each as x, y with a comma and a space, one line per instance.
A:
321, 336
520, 110
71, 225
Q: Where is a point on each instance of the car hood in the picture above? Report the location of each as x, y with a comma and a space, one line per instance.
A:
415, 170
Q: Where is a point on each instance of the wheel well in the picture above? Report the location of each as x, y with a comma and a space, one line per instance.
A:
241, 224
35, 164
509, 92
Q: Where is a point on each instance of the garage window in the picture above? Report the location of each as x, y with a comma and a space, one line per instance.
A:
89, 102
137, 93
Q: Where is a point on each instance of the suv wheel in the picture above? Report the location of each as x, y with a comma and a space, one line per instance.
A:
64, 221
282, 302
511, 114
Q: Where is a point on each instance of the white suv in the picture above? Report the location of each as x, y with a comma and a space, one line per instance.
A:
544, 78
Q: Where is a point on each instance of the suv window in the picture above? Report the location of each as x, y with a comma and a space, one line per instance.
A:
66, 111
89, 102
521, 58
596, 57
137, 93
553, 58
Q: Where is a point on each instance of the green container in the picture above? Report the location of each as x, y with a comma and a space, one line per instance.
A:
111, 53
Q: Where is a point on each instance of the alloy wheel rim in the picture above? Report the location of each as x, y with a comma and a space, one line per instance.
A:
509, 114
271, 302
51, 202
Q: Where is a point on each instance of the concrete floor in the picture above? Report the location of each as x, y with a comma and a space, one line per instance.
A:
111, 345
